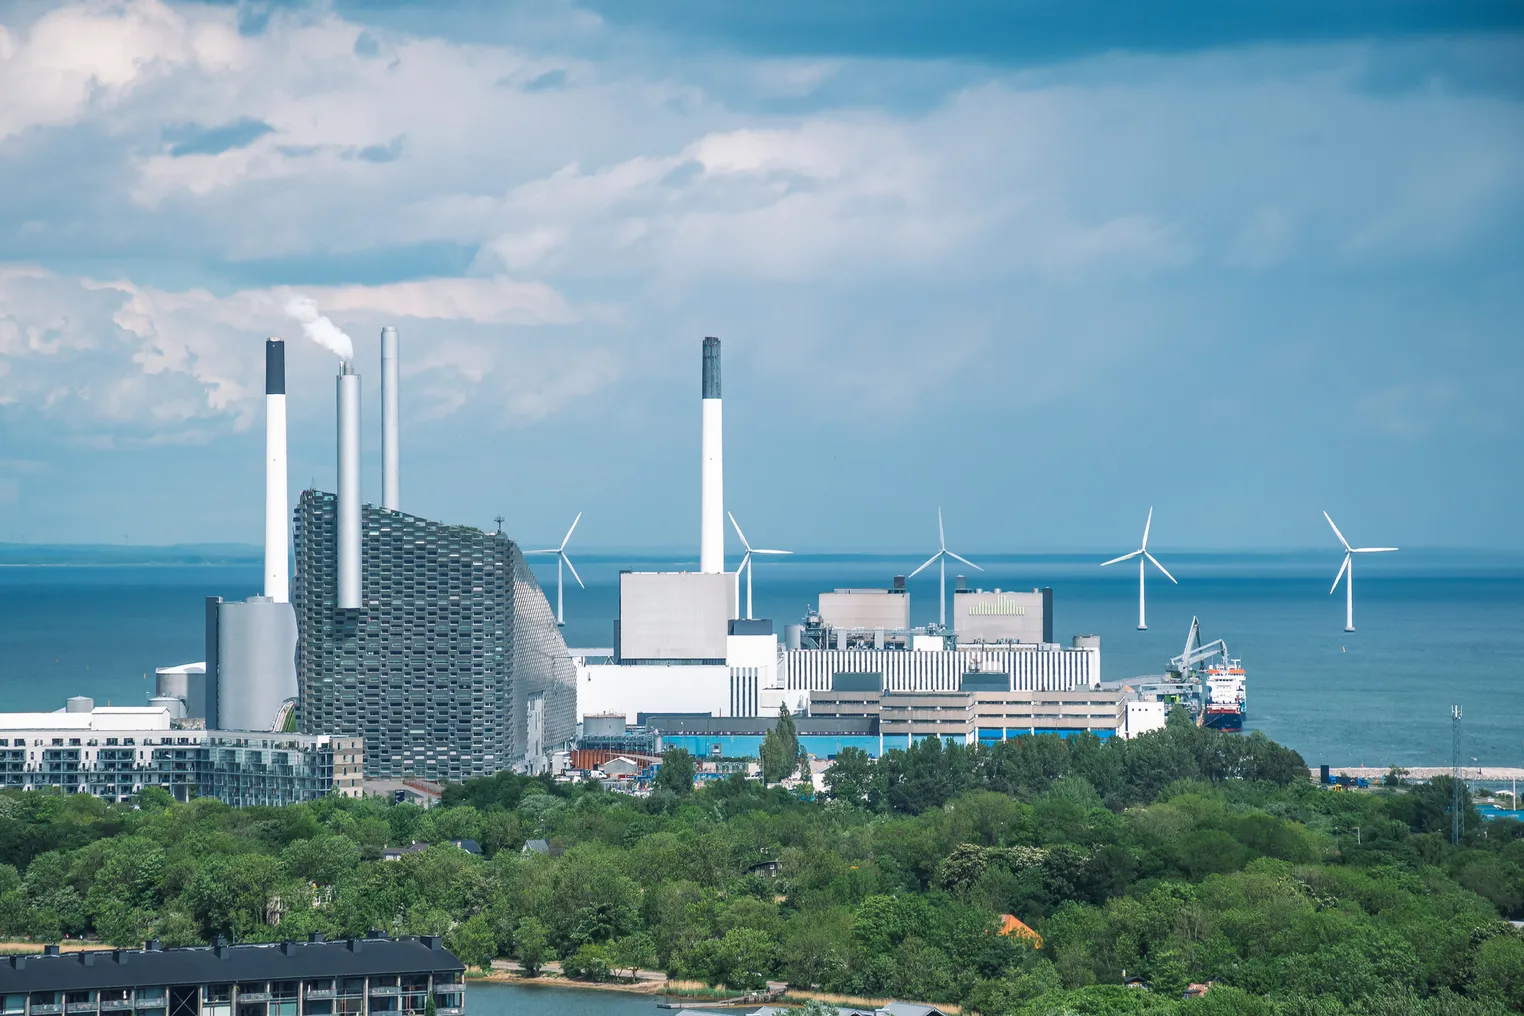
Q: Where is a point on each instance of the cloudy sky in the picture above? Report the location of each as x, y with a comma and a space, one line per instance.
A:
1043, 264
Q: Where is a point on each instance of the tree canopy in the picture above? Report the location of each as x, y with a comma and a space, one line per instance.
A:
1181, 857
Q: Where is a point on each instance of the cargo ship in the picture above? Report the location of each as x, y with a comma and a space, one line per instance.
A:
1223, 702
1226, 698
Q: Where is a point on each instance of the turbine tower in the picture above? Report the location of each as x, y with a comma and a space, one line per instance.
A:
942, 555
746, 563
1347, 573
562, 561
1144, 557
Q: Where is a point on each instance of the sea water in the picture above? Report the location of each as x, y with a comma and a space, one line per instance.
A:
1432, 629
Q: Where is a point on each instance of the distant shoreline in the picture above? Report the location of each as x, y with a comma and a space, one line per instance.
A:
127, 564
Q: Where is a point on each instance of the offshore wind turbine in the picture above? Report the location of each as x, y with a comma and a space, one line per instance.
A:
942, 555
562, 561
1144, 557
1347, 572
747, 564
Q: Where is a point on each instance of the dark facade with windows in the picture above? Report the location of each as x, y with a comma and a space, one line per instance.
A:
353, 977
453, 667
242, 768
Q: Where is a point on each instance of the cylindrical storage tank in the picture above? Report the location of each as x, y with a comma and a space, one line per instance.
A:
793, 636
79, 704
172, 683
175, 706
1086, 642
256, 662
603, 725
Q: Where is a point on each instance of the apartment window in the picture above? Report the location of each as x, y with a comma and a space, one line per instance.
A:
11, 1005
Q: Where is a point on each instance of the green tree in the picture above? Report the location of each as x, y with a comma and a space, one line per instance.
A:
780, 748
531, 943
850, 776
746, 957
676, 772
473, 942
589, 963
1500, 969
632, 953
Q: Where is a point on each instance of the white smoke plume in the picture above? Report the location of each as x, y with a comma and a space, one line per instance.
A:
319, 329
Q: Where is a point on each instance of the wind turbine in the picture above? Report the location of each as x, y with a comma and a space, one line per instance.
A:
562, 561
1143, 557
747, 565
942, 555
1347, 573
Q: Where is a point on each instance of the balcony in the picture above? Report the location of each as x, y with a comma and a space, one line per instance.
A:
40, 1008
80, 1007
116, 1004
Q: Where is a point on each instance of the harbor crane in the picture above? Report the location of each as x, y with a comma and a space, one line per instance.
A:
1195, 652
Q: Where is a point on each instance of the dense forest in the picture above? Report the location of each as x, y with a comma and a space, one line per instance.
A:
1183, 856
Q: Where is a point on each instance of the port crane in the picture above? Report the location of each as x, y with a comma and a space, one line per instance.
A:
1195, 652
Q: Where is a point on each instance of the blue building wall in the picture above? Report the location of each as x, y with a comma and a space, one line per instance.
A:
750, 745
988, 735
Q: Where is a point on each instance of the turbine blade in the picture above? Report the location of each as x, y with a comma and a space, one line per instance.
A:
742, 535
941, 533
1149, 524
745, 560
1119, 560
573, 569
1336, 530
754, 551
1339, 577
1161, 567
929, 561
965, 560
567, 538
1371, 550
548, 550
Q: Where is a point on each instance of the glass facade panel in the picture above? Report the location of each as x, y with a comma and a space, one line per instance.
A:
454, 636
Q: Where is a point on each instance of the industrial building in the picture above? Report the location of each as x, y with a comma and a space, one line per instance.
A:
250, 668
432, 642
114, 752
375, 974
451, 667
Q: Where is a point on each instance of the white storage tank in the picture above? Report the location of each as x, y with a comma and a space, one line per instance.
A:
79, 704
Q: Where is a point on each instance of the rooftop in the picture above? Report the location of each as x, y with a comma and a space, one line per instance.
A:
125, 968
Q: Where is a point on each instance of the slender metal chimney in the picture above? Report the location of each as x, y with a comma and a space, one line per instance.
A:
349, 487
712, 491
390, 498
277, 567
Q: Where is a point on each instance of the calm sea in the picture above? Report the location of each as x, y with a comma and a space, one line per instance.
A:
1433, 628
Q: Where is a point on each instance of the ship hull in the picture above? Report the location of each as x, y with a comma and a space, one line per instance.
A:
1226, 722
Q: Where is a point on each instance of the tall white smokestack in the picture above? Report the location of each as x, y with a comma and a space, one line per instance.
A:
277, 574
390, 498
712, 495
349, 487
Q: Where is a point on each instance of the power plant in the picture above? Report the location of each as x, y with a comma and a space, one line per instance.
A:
251, 645
403, 646
430, 641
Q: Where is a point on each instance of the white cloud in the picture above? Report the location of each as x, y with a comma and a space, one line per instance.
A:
610, 213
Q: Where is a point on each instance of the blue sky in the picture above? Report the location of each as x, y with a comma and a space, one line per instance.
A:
1044, 264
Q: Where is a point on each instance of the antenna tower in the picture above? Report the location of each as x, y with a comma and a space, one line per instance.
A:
499, 520
1455, 774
